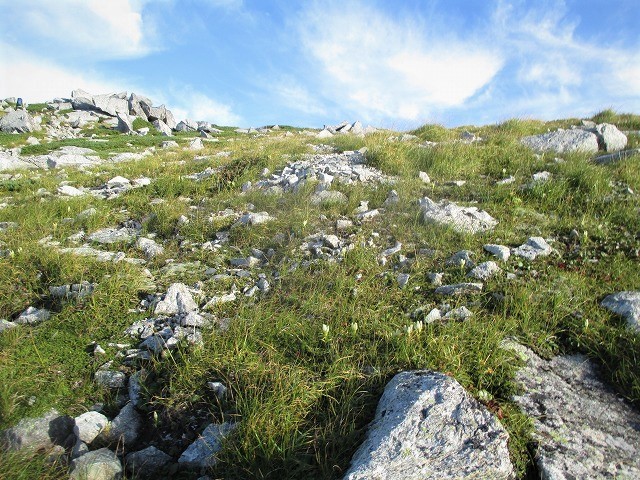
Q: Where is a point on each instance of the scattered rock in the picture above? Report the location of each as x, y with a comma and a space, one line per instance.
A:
6, 325
70, 191
583, 430
147, 463
485, 271
459, 289
33, 316
499, 251
627, 305
41, 433
177, 300
113, 235
254, 219
610, 138
533, 248
110, 378
463, 219
18, 121
100, 464
427, 426
124, 429
89, 425
201, 453
424, 177
149, 247
562, 141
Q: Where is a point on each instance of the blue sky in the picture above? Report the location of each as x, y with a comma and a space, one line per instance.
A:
394, 63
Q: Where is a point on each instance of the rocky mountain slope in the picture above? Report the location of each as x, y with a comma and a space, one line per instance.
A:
188, 300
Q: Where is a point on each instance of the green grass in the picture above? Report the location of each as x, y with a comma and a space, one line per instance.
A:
303, 398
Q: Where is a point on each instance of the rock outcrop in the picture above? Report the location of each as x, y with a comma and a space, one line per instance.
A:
428, 426
582, 428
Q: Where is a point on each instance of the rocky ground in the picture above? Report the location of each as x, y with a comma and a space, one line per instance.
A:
186, 300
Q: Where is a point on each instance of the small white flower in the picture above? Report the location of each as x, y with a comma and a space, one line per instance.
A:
354, 328
325, 329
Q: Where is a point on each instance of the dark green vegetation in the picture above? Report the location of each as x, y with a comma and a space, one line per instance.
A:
303, 397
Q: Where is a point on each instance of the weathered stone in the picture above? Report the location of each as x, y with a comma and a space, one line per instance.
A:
177, 300
110, 378
111, 104
163, 128
18, 121
6, 325
100, 464
459, 289
33, 316
424, 176
533, 248
124, 429
125, 124
324, 134
89, 425
113, 235
485, 271
499, 251
613, 157
201, 453
461, 259
70, 191
563, 141
149, 247
610, 138
328, 196
627, 305
253, 218
38, 433
186, 126
583, 430
196, 144
428, 427
147, 463
464, 219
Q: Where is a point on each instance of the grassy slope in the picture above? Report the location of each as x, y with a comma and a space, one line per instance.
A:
304, 398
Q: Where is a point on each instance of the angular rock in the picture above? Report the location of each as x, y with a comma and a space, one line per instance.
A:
163, 128
253, 218
485, 271
428, 427
33, 316
41, 433
100, 464
196, 144
18, 121
462, 219
459, 289
70, 191
110, 378
562, 141
499, 251
6, 325
424, 176
177, 300
615, 157
89, 425
583, 430
201, 453
533, 248
461, 259
328, 196
124, 429
147, 463
113, 235
610, 138
149, 247
627, 305
125, 124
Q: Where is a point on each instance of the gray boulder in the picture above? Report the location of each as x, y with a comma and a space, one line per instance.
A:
610, 138
100, 464
136, 103
462, 219
122, 430
125, 124
617, 156
162, 127
111, 103
110, 378
627, 305
459, 289
6, 325
186, 126
562, 141
113, 235
177, 300
485, 270
428, 427
147, 463
582, 428
33, 316
18, 121
533, 248
201, 453
149, 247
89, 425
44, 432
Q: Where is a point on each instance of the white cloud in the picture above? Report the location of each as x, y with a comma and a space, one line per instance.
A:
379, 67
102, 29
186, 102
295, 96
37, 79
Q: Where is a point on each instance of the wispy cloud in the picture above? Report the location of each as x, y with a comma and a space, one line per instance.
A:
102, 29
294, 96
187, 102
379, 67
